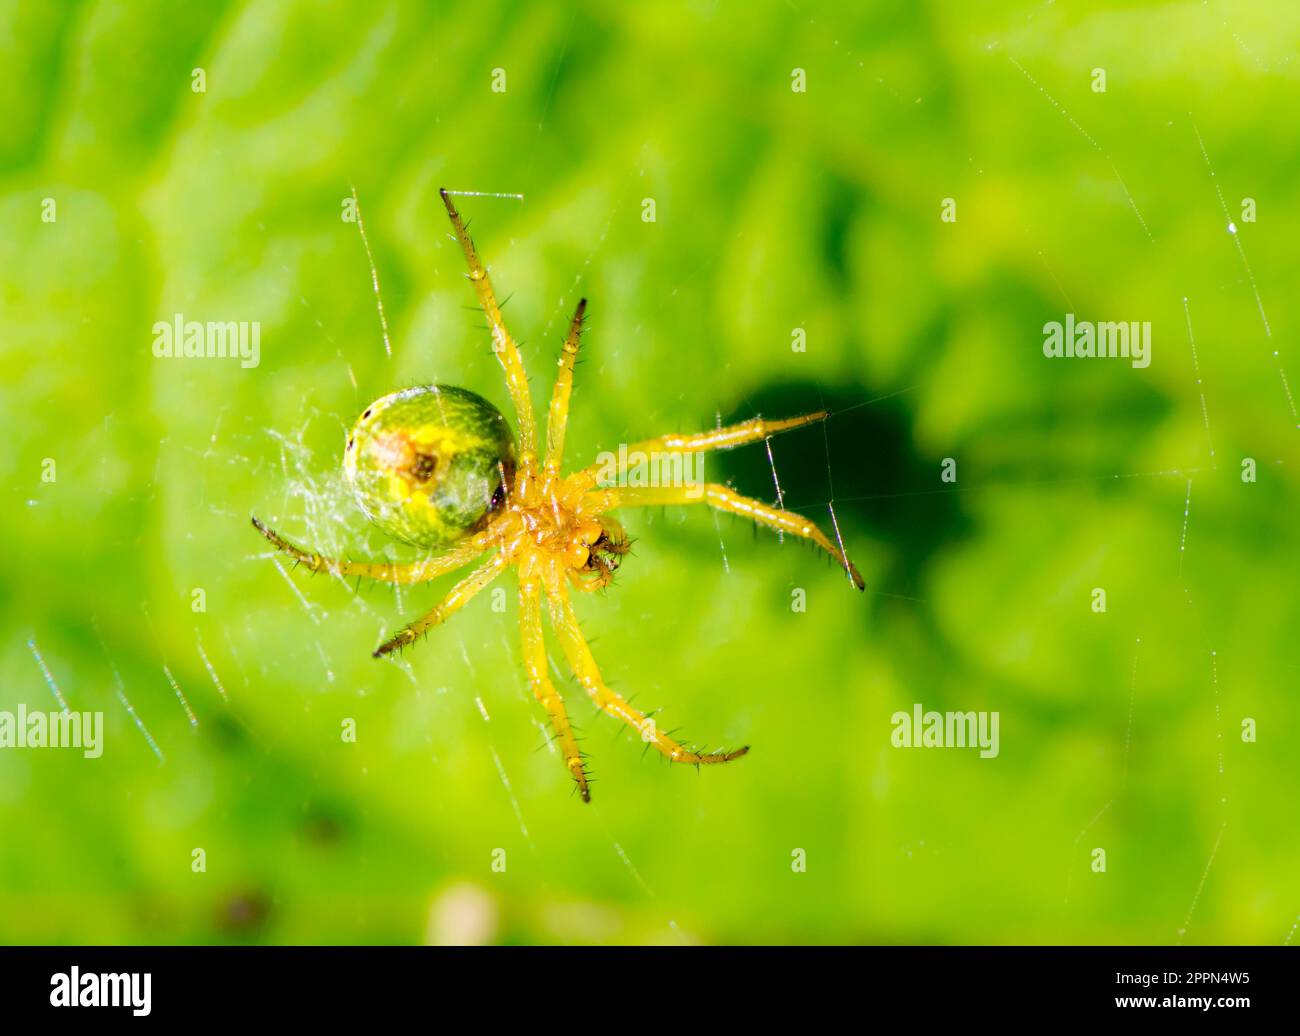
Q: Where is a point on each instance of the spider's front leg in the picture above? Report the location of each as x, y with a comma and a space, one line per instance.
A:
721, 497
724, 498
565, 624
414, 572
530, 626
557, 419
727, 438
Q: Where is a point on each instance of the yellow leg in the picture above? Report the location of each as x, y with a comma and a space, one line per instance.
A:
415, 572
726, 499
456, 598
558, 418
702, 442
565, 624
530, 625
502, 344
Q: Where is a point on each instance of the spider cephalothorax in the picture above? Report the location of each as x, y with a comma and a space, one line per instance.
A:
437, 466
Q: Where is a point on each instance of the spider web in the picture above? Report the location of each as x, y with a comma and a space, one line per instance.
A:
314, 508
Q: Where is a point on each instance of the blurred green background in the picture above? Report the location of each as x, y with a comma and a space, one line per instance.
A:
775, 210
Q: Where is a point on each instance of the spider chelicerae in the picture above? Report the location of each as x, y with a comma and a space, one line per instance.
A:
438, 467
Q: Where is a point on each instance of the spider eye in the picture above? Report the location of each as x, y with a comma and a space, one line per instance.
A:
429, 463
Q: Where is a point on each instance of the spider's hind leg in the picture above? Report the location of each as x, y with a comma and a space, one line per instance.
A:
502, 343
456, 598
414, 572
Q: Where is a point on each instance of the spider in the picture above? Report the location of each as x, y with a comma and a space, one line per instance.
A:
437, 467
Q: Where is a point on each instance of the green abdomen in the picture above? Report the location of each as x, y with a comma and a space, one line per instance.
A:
427, 464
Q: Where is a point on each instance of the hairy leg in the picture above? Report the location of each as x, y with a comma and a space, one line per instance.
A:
413, 572
456, 598
502, 344
558, 418
567, 631
753, 430
726, 499
530, 625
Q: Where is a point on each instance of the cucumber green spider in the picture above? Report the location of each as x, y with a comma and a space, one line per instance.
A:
438, 467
